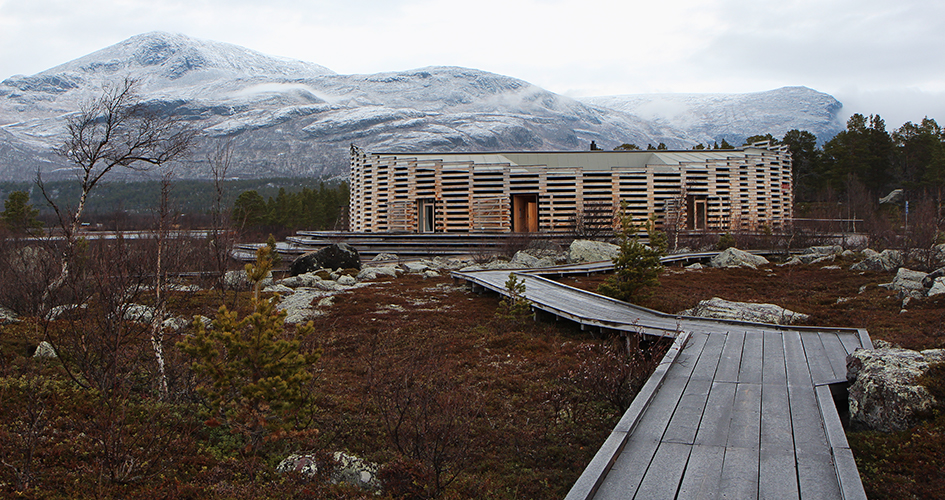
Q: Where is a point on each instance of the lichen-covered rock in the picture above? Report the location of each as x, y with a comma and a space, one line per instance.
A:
7, 316
591, 251
938, 287
349, 470
821, 251
718, 308
415, 267
298, 306
278, 288
525, 260
907, 283
370, 273
733, 257
883, 393
355, 471
345, 280
45, 350
887, 260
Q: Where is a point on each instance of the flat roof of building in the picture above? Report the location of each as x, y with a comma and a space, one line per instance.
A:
588, 160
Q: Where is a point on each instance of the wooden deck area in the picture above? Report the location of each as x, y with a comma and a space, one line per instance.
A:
734, 410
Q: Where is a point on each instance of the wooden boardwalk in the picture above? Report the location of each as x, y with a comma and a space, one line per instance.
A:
734, 410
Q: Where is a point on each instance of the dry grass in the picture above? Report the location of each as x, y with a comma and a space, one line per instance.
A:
897, 465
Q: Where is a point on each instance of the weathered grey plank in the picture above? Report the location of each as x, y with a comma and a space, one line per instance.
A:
731, 358
777, 475
850, 341
836, 437
665, 472
773, 371
709, 359
714, 428
817, 359
688, 357
850, 484
835, 353
795, 361
777, 432
753, 359
628, 469
740, 473
683, 426
809, 434
745, 430
817, 476
703, 473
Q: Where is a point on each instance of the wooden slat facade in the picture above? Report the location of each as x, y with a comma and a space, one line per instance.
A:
747, 188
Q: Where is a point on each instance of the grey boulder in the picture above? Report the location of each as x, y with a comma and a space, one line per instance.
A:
883, 394
336, 256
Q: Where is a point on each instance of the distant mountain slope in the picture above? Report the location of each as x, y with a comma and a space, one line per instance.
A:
712, 117
287, 117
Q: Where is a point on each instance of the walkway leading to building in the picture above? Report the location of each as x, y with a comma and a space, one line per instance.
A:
734, 410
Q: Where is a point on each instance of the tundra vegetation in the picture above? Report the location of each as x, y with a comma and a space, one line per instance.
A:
142, 400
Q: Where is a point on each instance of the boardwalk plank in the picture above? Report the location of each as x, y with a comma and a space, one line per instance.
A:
820, 369
714, 428
817, 476
624, 477
685, 422
753, 359
795, 361
773, 371
730, 360
709, 360
850, 341
745, 429
777, 475
703, 473
809, 432
740, 473
670, 460
777, 433
836, 355
850, 484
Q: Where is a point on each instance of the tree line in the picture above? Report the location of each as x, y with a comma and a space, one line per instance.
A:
866, 156
316, 209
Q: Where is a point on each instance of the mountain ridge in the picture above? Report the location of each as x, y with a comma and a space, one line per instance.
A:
293, 118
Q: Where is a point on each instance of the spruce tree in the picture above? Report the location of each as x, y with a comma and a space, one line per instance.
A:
636, 267
256, 379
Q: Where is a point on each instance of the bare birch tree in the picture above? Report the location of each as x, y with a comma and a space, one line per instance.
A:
114, 130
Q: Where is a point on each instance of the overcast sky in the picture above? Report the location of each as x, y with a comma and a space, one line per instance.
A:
876, 56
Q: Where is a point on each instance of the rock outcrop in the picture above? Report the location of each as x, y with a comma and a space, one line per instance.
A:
883, 393
7, 316
733, 257
718, 308
349, 470
908, 283
887, 260
336, 256
591, 251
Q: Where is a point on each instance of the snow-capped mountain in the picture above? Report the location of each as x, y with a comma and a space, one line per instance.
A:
287, 117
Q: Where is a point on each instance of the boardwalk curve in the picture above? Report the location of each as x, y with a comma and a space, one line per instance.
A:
734, 410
